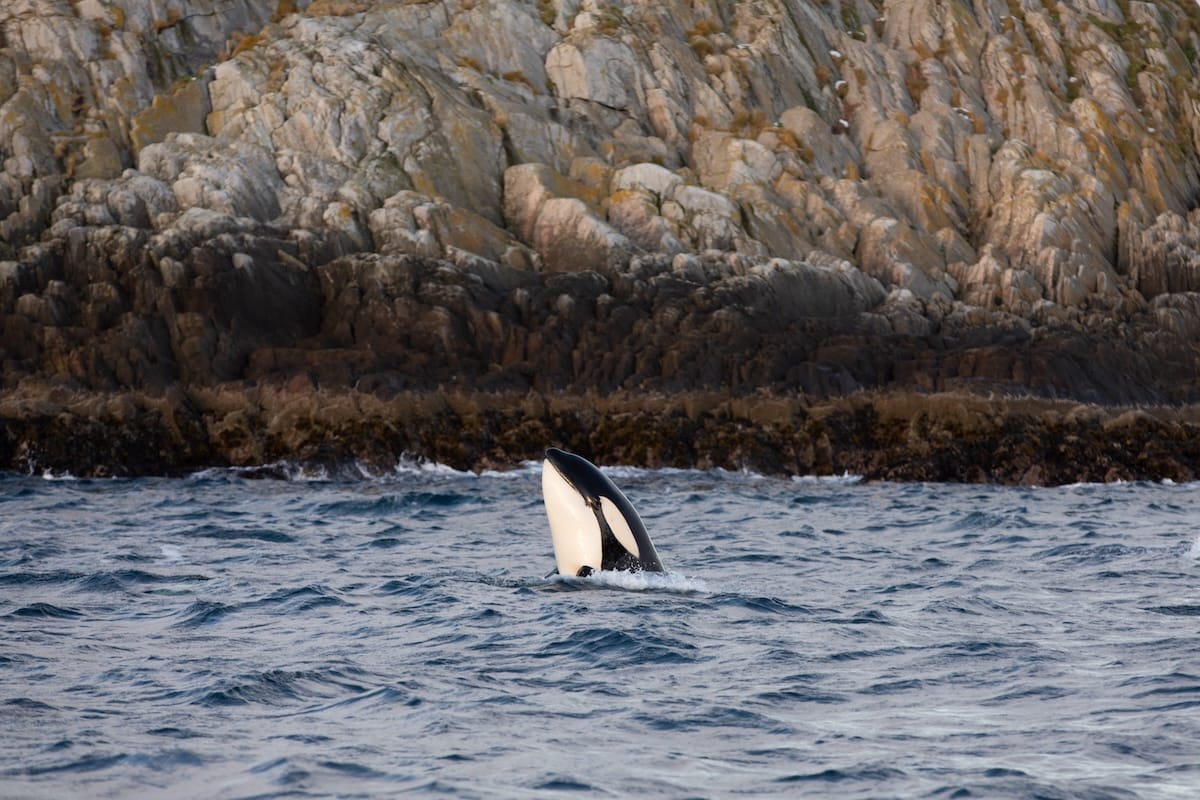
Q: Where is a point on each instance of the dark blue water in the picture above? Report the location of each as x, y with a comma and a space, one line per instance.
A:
225, 637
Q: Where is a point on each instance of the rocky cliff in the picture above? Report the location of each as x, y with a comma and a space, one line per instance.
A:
201, 200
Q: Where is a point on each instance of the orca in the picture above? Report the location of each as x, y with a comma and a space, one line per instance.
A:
593, 526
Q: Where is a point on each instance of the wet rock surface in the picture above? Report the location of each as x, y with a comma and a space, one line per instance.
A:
894, 436
338, 230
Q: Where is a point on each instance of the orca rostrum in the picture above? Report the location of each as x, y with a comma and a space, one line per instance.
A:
592, 524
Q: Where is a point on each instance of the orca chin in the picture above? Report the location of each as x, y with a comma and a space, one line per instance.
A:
592, 524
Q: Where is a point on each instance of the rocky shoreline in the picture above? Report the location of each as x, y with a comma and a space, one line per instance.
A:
892, 437
912, 240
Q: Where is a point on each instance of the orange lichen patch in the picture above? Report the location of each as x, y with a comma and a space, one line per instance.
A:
336, 8
282, 9
184, 109
516, 76
169, 22
242, 42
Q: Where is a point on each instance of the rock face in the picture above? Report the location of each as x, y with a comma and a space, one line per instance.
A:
783, 196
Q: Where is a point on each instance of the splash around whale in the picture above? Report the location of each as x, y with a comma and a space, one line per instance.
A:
593, 526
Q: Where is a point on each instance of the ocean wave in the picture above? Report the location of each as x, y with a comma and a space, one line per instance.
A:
407, 468
203, 612
25, 705
93, 762
1115, 484
845, 479
1176, 611
992, 520
378, 696
610, 648
395, 503
274, 687
51, 475
1088, 553
293, 471
45, 611
223, 533
300, 599
873, 774
34, 578
124, 580
420, 468
761, 604
714, 718
623, 472
801, 696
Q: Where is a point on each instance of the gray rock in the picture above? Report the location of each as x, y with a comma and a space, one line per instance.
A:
763, 175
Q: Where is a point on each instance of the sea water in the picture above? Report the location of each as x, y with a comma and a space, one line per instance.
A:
220, 636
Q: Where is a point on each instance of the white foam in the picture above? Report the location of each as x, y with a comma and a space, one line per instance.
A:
524, 469
407, 467
302, 472
171, 553
49, 475
415, 466
845, 478
1194, 553
626, 473
668, 582
286, 470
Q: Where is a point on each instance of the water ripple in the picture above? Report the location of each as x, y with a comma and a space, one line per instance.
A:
609, 648
45, 611
203, 612
253, 533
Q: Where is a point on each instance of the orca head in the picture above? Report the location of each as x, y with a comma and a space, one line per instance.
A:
593, 526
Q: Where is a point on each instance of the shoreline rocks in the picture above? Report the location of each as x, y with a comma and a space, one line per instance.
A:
897, 436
